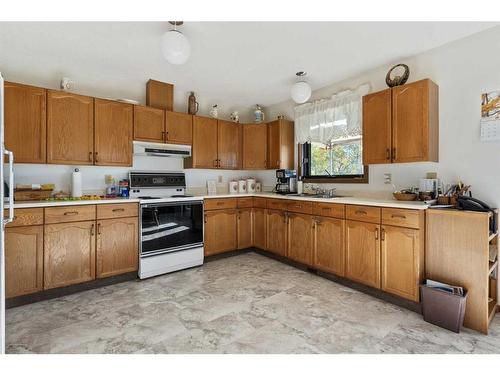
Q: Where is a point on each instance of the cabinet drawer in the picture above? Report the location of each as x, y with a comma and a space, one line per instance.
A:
299, 206
245, 202
219, 203
328, 209
259, 202
401, 217
276, 204
25, 216
69, 214
110, 211
363, 213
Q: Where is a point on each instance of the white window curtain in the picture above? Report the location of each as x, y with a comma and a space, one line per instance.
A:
337, 119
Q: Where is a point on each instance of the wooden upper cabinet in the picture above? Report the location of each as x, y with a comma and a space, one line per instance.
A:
69, 253
254, 150
280, 144
402, 261
204, 143
117, 246
113, 133
415, 122
149, 124
300, 231
179, 128
23, 260
228, 144
25, 122
377, 112
328, 245
401, 124
362, 252
70, 128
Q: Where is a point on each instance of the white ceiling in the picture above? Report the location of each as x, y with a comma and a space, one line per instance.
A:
241, 63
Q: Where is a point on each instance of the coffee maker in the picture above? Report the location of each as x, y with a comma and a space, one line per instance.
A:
286, 181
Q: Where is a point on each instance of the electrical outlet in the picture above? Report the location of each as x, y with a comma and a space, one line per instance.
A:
387, 178
219, 179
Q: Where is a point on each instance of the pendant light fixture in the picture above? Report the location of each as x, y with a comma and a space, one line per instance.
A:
175, 46
301, 91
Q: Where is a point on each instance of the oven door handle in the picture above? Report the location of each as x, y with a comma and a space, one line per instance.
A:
155, 214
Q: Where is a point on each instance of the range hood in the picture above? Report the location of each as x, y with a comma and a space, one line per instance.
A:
161, 149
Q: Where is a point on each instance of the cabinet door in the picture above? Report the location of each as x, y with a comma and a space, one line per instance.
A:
280, 144
259, 228
328, 249
69, 255
204, 142
245, 228
113, 133
25, 122
117, 246
414, 122
254, 146
377, 127
179, 127
228, 144
149, 124
300, 231
401, 249
276, 232
23, 260
363, 252
70, 128
220, 231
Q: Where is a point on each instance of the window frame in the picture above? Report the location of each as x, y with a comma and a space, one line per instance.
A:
342, 179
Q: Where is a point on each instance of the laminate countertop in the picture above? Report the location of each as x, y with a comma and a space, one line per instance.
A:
415, 205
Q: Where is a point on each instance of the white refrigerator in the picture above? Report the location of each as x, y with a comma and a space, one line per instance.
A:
4, 220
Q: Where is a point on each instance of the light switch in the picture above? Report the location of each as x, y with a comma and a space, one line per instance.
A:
387, 178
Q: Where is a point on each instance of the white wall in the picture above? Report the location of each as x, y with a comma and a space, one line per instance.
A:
463, 69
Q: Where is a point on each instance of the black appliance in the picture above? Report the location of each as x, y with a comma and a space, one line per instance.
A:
286, 181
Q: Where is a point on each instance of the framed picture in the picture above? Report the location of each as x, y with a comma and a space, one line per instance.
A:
490, 105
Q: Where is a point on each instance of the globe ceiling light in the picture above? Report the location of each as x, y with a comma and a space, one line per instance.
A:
175, 46
301, 91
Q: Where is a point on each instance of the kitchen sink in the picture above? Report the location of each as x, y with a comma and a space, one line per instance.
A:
327, 196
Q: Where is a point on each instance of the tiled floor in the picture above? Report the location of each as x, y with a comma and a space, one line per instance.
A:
243, 304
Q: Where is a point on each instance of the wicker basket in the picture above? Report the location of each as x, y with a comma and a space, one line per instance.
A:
405, 196
31, 195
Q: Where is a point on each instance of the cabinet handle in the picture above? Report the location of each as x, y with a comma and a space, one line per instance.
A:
388, 154
92, 229
166, 135
382, 234
376, 233
163, 137
215, 163
71, 213
398, 216
96, 158
394, 153
360, 212
220, 203
99, 228
118, 209
90, 156
205, 219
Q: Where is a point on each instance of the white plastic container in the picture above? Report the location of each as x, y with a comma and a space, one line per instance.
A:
251, 185
242, 186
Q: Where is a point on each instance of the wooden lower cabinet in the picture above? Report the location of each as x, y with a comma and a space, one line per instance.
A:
402, 255
117, 246
276, 232
245, 232
259, 228
23, 260
69, 253
328, 245
300, 233
363, 252
220, 231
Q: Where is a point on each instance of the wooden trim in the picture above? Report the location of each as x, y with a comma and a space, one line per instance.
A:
339, 180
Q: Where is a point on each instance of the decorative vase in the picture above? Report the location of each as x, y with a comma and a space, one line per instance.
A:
235, 117
258, 114
214, 112
192, 104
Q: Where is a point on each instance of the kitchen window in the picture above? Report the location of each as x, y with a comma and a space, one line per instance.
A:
329, 133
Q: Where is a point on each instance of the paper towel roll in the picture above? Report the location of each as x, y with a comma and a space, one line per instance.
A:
76, 184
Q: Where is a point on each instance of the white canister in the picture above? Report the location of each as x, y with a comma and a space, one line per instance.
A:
233, 187
300, 187
251, 185
242, 186
258, 187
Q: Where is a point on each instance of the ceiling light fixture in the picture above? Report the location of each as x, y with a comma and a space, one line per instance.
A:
175, 46
301, 91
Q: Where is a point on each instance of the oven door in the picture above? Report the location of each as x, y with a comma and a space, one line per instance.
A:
167, 227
